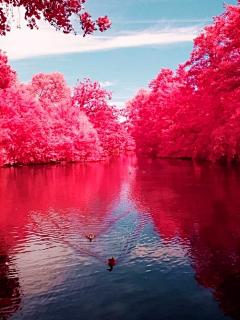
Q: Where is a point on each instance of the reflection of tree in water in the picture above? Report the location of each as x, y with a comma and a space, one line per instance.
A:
200, 208
10, 291
215, 256
228, 294
225, 284
115, 235
219, 270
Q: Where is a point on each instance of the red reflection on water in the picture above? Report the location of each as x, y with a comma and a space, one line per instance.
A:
10, 290
200, 205
72, 195
83, 187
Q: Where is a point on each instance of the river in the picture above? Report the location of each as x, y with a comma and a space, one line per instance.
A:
172, 226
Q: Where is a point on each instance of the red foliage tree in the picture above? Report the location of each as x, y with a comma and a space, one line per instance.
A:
79, 138
158, 116
214, 71
139, 113
58, 13
195, 111
39, 131
7, 75
40, 122
50, 88
22, 136
90, 98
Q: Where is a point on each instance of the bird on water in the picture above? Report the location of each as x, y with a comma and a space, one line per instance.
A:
111, 262
90, 236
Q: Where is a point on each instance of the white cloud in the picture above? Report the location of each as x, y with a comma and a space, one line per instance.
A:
25, 43
106, 83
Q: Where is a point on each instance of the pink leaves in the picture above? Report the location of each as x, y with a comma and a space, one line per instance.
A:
193, 112
49, 88
32, 133
7, 75
93, 101
59, 13
89, 26
41, 122
103, 23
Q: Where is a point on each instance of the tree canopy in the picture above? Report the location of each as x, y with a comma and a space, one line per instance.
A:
7, 75
44, 121
59, 14
195, 111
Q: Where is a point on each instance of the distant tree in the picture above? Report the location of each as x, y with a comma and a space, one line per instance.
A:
91, 99
58, 13
23, 138
157, 116
49, 89
36, 130
7, 75
141, 121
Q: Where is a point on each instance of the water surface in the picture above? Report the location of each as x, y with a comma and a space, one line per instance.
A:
173, 227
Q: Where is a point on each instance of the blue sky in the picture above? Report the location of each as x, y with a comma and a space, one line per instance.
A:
145, 36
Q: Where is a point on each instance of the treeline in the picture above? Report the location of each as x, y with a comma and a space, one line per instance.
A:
45, 121
191, 113
195, 111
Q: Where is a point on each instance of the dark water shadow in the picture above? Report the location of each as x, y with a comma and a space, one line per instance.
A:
199, 206
10, 289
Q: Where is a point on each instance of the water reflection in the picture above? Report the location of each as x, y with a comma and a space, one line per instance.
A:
116, 234
167, 224
10, 291
199, 206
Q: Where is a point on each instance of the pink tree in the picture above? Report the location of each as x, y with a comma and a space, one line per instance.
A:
23, 138
195, 111
139, 118
39, 126
157, 116
50, 88
213, 71
7, 75
59, 14
73, 138
91, 99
